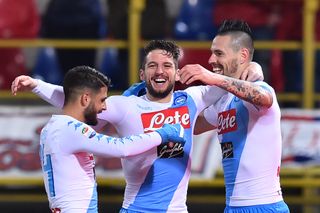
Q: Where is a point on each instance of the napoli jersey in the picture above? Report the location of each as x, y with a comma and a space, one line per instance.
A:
68, 165
251, 144
156, 180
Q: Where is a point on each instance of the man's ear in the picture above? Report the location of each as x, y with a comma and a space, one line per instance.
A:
141, 75
85, 99
244, 54
177, 75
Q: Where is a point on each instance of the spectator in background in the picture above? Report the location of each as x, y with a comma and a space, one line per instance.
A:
263, 17
19, 19
74, 19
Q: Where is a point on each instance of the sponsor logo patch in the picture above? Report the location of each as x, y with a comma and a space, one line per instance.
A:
227, 150
227, 121
155, 120
170, 150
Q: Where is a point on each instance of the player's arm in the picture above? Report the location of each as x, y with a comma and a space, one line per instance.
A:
85, 139
202, 125
248, 91
51, 93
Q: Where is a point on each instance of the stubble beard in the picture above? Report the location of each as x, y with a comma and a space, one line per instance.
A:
159, 94
90, 115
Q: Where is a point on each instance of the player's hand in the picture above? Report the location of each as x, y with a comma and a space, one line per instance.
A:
137, 89
252, 73
194, 72
172, 133
23, 83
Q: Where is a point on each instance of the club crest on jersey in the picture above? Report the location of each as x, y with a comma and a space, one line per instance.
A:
155, 120
227, 121
180, 100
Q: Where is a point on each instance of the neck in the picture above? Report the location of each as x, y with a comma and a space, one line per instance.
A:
166, 99
73, 111
240, 70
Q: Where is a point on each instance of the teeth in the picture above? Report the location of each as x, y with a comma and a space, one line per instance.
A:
216, 69
159, 80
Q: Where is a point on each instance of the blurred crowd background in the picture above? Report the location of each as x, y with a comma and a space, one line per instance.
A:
179, 20
21, 186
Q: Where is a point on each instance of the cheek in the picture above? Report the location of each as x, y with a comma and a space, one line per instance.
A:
233, 66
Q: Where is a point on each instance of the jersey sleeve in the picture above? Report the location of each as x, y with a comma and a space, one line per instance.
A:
261, 109
205, 96
79, 137
117, 109
51, 93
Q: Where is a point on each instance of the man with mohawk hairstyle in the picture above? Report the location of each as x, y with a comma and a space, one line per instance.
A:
248, 123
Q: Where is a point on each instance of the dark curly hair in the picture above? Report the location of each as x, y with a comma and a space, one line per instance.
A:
168, 46
81, 77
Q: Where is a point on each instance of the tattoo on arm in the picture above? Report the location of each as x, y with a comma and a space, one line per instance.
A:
247, 91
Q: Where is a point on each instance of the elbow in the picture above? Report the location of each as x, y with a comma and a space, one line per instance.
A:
268, 100
264, 100
269, 104
127, 153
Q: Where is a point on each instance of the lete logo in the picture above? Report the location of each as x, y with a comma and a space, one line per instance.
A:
154, 120
227, 121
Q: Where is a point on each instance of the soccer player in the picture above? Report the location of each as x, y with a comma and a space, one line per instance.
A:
157, 180
248, 122
67, 143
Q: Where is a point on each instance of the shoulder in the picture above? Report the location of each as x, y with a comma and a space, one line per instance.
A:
265, 85
123, 99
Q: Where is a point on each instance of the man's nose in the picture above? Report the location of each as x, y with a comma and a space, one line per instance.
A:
159, 69
104, 106
212, 59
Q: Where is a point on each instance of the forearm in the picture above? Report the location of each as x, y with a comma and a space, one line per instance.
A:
244, 90
51, 93
132, 145
108, 146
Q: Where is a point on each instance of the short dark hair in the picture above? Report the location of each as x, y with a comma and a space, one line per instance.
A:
81, 77
240, 32
169, 47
